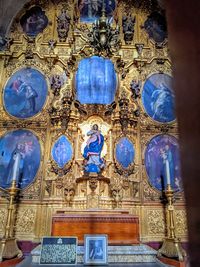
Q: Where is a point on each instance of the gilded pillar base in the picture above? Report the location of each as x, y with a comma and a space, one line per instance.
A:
172, 248
9, 249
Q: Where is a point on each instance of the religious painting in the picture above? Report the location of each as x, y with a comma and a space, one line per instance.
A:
159, 149
96, 252
158, 98
25, 93
92, 151
34, 21
91, 10
25, 144
96, 81
124, 152
62, 151
156, 27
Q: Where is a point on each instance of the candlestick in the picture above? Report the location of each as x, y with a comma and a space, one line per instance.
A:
167, 172
16, 166
8, 244
171, 246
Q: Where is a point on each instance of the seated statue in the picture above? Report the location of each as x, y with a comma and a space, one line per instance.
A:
92, 151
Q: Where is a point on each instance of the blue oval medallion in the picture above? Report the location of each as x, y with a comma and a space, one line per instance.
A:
158, 97
62, 151
160, 148
96, 81
125, 152
25, 93
26, 145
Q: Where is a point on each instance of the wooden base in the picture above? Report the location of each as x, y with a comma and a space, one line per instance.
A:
122, 229
12, 262
172, 262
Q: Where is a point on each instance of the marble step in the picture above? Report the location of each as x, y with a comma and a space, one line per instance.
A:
116, 254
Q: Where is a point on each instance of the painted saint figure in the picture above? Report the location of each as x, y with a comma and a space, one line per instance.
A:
96, 252
161, 97
92, 151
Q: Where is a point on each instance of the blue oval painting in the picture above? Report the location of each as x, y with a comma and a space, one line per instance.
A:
25, 93
62, 151
160, 148
91, 10
26, 144
96, 81
34, 21
158, 98
125, 152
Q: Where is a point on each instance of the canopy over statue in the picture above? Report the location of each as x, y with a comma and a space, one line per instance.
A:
92, 151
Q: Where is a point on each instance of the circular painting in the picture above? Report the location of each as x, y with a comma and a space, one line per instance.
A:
96, 81
158, 98
160, 148
25, 144
25, 93
125, 152
62, 151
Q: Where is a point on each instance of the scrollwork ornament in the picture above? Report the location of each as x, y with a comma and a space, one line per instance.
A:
116, 187
33, 191
155, 222
181, 222
25, 223
3, 215
150, 194
60, 172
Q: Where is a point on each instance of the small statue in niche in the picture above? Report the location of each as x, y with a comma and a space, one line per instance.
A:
63, 22
135, 88
128, 24
51, 44
57, 82
92, 151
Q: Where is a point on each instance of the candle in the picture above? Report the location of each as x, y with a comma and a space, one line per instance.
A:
167, 172
16, 166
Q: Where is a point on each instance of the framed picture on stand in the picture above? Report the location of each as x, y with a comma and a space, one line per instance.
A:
96, 249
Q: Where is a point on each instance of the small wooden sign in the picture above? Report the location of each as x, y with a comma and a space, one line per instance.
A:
58, 250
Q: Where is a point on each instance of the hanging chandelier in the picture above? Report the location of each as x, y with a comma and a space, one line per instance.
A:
103, 37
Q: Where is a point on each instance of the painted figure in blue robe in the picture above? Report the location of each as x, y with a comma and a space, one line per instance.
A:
92, 151
158, 98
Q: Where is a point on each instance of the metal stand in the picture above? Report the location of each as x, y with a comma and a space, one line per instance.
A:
8, 244
171, 246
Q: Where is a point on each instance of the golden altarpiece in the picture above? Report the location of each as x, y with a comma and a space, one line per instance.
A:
56, 52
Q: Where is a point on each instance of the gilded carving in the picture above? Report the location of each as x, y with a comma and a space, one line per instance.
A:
25, 221
150, 194
3, 215
155, 222
181, 222
56, 52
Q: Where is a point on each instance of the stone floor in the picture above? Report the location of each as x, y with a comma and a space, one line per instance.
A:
27, 262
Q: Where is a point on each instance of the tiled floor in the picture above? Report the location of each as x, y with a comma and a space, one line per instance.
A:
27, 263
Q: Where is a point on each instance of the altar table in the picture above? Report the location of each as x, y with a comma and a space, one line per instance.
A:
122, 229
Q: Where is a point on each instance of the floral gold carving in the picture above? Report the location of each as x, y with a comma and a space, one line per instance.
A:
25, 222
155, 222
